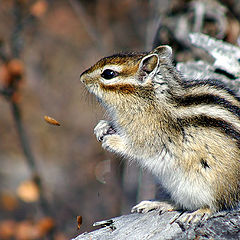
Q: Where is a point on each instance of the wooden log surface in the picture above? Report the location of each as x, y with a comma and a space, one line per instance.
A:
221, 226
136, 226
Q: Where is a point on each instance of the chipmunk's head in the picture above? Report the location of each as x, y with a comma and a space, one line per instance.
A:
114, 77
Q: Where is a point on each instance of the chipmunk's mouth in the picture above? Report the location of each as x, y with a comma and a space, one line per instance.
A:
111, 130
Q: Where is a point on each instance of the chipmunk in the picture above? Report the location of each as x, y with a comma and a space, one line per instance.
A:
187, 133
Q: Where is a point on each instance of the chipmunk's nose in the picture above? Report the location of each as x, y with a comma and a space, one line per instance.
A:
84, 75
82, 78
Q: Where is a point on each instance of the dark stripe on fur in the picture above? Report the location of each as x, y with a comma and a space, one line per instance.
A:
208, 99
209, 122
204, 163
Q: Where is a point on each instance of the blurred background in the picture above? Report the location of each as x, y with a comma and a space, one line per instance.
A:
51, 174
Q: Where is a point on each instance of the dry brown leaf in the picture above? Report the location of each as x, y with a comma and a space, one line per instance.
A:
60, 236
45, 225
28, 191
16, 67
39, 8
79, 221
7, 229
12, 71
16, 97
51, 121
4, 75
8, 201
25, 230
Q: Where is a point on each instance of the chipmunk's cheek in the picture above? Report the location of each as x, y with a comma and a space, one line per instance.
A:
94, 88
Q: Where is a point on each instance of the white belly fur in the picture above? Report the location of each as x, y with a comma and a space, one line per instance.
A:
188, 193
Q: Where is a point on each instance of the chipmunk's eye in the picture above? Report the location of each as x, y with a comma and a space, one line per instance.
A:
109, 74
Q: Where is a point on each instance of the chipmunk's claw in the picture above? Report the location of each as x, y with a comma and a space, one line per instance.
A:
102, 129
201, 214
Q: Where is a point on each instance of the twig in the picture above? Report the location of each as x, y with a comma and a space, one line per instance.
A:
86, 22
199, 9
16, 39
152, 33
23, 137
16, 46
3, 56
4, 92
29, 155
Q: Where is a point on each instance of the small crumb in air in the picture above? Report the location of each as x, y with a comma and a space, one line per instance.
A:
79, 221
51, 121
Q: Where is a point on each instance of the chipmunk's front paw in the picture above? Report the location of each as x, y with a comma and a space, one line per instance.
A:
113, 143
147, 206
102, 129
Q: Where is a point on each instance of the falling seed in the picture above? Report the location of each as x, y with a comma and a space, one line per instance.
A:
51, 121
79, 221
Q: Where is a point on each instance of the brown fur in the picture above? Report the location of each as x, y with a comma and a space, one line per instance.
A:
122, 88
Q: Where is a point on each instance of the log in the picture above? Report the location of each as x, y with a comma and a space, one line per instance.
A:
152, 225
226, 66
135, 226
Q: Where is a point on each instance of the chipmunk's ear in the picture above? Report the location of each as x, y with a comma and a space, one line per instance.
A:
164, 51
148, 66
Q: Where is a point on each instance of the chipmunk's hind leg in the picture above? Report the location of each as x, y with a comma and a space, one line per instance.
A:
194, 217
